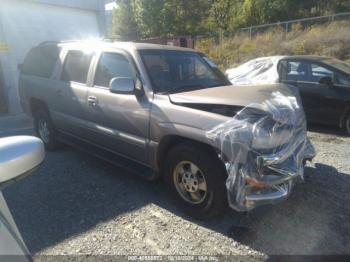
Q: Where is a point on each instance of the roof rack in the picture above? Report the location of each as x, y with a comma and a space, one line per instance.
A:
58, 42
75, 41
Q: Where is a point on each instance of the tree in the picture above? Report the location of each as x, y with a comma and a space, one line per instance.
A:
220, 13
154, 18
171, 17
149, 17
255, 12
124, 26
225, 15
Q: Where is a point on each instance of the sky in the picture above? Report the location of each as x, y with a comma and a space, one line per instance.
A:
111, 6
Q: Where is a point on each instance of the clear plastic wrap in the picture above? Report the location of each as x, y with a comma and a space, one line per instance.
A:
264, 148
257, 71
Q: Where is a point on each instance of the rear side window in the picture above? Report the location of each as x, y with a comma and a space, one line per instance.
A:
41, 61
113, 65
76, 67
298, 71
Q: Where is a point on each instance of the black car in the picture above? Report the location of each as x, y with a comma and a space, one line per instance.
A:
324, 86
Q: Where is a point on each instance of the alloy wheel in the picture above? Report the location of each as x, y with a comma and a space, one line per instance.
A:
190, 182
44, 131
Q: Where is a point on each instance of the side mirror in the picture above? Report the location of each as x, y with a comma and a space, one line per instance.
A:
19, 155
326, 80
122, 85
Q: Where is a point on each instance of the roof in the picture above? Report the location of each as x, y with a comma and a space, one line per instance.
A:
157, 46
95, 5
308, 57
100, 44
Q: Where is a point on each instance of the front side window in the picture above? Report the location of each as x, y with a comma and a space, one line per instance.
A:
76, 67
179, 71
113, 65
319, 71
340, 65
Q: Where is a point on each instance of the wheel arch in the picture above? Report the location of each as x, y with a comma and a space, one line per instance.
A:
170, 141
36, 105
344, 116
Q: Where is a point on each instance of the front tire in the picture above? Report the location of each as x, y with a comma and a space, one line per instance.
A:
195, 178
45, 129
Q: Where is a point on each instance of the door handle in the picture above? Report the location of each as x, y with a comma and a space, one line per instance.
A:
92, 101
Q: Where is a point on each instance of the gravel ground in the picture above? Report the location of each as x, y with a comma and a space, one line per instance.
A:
76, 204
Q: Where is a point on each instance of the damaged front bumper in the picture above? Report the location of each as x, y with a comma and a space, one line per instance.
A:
274, 195
272, 179
262, 164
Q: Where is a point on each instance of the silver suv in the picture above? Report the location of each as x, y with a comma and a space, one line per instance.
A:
147, 108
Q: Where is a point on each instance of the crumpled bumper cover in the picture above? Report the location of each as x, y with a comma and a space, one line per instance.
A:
264, 148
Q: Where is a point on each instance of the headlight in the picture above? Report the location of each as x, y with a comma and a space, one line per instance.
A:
270, 135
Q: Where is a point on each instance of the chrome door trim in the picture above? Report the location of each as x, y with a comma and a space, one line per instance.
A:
114, 133
104, 148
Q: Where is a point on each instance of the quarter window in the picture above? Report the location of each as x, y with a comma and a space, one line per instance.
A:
41, 61
113, 65
76, 67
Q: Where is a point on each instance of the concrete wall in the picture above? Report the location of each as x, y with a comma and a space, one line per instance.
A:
25, 23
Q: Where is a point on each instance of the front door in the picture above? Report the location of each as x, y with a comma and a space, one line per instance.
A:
118, 122
319, 101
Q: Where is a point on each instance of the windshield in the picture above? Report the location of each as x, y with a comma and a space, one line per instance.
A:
179, 71
340, 65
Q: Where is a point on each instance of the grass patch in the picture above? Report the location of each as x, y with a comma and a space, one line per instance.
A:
331, 40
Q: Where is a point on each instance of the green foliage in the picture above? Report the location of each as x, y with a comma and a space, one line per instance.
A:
153, 18
163, 17
262, 11
124, 25
327, 40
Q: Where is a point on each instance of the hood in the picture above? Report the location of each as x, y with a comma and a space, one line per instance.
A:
234, 96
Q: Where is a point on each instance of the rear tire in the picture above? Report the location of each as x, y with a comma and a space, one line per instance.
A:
347, 124
195, 179
45, 129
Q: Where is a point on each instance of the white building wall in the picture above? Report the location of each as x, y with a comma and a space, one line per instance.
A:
24, 24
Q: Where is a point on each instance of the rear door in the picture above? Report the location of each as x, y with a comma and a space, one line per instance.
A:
71, 92
118, 122
36, 79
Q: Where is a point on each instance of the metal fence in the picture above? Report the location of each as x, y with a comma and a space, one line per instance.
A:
286, 26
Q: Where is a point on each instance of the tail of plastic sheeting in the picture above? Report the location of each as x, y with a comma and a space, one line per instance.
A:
264, 148
263, 70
